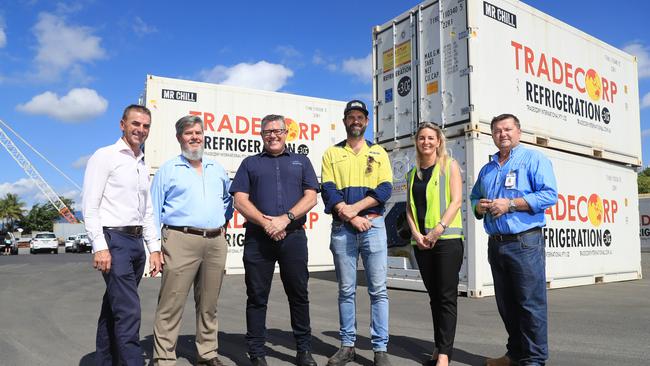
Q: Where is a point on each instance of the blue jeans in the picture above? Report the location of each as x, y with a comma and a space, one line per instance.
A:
346, 245
519, 273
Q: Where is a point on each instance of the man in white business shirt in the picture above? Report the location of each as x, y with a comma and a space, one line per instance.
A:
118, 216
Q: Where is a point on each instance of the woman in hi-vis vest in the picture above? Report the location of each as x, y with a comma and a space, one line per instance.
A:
433, 215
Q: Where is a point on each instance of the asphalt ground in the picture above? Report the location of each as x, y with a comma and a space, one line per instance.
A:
49, 306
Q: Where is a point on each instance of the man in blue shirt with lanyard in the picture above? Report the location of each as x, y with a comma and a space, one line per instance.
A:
274, 190
511, 194
192, 203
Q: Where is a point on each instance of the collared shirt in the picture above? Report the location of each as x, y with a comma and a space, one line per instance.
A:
275, 183
527, 174
182, 197
116, 193
349, 177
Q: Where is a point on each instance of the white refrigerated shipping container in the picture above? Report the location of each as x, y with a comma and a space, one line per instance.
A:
591, 234
461, 62
644, 221
232, 117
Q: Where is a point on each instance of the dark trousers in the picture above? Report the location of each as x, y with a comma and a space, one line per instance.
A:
519, 273
439, 269
118, 328
260, 255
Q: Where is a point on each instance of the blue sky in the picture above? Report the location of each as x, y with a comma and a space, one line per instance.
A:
67, 69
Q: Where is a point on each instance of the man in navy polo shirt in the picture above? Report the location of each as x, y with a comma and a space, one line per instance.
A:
274, 190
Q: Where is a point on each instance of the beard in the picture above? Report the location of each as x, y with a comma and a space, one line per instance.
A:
354, 132
193, 155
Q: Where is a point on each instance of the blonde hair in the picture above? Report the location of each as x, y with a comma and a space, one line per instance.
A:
441, 151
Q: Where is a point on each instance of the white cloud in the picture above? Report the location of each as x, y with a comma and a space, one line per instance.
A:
3, 35
62, 46
261, 75
645, 101
288, 51
318, 59
27, 191
30, 194
360, 67
81, 162
80, 104
642, 53
141, 28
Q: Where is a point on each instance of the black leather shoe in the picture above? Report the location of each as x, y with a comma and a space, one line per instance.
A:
258, 361
344, 355
304, 358
381, 359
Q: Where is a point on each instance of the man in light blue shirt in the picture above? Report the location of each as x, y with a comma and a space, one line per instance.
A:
192, 204
511, 193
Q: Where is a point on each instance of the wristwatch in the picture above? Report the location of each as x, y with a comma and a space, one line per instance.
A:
512, 207
291, 216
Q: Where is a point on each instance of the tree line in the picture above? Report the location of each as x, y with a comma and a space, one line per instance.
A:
40, 217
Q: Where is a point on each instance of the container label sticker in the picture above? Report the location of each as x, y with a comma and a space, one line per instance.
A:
184, 96
401, 57
388, 95
499, 14
432, 88
404, 86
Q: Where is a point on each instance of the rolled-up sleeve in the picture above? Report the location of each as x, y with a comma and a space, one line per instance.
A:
329, 192
544, 186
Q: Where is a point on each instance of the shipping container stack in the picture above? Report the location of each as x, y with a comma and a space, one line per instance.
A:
460, 63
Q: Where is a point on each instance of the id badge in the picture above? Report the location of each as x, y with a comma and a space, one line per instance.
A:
511, 180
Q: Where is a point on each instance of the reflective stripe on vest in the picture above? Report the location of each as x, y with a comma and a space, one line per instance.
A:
433, 215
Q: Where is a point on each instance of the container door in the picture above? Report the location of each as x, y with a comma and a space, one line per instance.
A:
443, 63
395, 80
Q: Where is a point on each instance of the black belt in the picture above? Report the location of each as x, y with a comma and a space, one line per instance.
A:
135, 230
513, 237
206, 233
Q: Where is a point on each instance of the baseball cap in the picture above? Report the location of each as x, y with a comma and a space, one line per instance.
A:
355, 105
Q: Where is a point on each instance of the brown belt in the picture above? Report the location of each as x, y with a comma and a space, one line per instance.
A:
206, 233
371, 216
134, 230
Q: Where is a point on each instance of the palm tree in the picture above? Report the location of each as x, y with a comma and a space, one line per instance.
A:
11, 210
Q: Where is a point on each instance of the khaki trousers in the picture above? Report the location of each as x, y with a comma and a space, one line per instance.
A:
189, 259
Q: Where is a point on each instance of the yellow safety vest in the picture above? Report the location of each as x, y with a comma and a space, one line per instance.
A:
438, 196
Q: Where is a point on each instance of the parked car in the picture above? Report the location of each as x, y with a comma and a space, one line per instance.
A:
11, 242
69, 243
82, 243
44, 242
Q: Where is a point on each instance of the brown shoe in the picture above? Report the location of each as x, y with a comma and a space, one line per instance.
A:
501, 361
211, 362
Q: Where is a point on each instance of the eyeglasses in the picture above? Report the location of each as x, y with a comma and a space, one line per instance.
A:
278, 132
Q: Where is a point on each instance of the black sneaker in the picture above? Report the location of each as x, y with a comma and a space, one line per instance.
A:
344, 355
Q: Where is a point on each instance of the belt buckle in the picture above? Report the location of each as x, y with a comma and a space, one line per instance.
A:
498, 237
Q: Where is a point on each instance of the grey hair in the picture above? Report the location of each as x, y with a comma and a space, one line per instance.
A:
187, 121
272, 118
